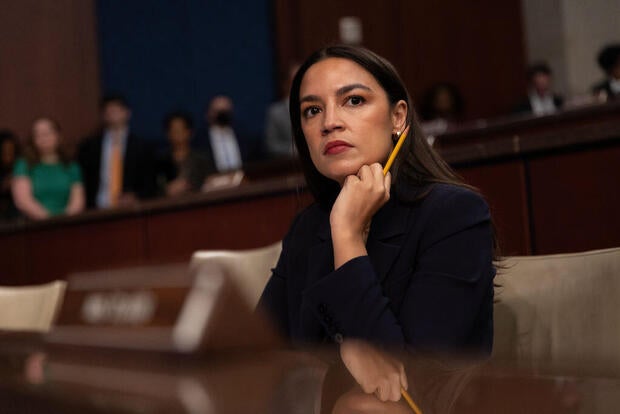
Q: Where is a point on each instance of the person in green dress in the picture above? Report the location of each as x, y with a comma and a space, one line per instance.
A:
46, 182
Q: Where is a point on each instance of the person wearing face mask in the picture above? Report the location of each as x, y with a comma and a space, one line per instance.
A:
402, 260
220, 142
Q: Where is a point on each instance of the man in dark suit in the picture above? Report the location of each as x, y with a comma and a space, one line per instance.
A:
609, 60
540, 100
118, 167
220, 142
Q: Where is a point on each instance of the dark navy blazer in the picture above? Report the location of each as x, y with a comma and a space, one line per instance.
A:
427, 281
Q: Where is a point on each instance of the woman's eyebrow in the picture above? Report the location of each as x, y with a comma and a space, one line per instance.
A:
348, 88
309, 98
341, 91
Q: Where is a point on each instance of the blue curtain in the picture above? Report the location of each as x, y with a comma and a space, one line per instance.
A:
177, 54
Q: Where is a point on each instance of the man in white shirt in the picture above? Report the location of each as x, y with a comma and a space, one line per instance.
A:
221, 136
540, 99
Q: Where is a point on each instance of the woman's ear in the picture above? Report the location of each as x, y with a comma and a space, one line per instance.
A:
399, 115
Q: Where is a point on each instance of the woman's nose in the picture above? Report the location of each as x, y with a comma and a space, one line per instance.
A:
331, 120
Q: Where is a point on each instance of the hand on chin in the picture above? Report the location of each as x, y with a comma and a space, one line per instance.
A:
340, 171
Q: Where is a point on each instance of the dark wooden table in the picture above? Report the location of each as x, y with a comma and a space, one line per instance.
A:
37, 378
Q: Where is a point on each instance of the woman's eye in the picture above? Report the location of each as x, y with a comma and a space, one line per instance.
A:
311, 111
355, 100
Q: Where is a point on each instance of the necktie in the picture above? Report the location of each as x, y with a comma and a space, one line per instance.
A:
116, 173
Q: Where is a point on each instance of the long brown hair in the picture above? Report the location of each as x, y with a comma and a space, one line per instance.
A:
417, 164
31, 152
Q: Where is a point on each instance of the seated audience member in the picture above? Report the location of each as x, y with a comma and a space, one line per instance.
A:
540, 99
609, 60
181, 168
118, 166
46, 182
220, 142
278, 132
8, 151
442, 101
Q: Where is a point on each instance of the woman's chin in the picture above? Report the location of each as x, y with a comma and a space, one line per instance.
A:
341, 169
340, 174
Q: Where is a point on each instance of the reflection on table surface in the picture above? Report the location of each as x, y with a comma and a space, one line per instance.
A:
38, 378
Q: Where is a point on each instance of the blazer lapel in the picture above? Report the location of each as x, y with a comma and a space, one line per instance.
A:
387, 234
320, 263
320, 255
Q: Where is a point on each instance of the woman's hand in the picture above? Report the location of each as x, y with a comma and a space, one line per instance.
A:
361, 196
375, 371
77, 200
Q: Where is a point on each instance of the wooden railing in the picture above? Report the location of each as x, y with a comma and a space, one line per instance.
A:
551, 183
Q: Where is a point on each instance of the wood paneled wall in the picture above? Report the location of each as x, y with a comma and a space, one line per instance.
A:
49, 65
478, 45
576, 200
504, 186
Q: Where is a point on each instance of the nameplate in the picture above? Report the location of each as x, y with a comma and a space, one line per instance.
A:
159, 308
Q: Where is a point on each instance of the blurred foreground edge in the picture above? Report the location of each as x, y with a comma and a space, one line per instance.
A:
160, 308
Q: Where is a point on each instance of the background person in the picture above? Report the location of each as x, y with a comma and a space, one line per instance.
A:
118, 166
46, 182
609, 61
220, 141
540, 100
181, 168
443, 101
278, 131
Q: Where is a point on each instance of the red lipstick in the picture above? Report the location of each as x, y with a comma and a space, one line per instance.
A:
336, 147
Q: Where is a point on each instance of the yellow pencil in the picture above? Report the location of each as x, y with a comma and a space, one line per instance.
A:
394, 153
409, 400
387, 167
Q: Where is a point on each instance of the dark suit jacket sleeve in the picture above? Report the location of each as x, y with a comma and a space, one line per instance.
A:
147, 177
139, 171
89, 158
450, 279
274, 299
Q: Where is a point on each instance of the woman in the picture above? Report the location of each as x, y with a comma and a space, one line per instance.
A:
402, 260
45, 181
181, 169
442, 101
